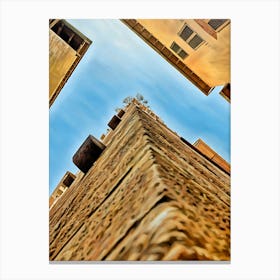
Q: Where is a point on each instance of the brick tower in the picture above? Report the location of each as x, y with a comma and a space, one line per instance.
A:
143, 193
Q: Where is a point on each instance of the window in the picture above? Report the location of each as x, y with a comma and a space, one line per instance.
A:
195, 41
178, 50
188, 35
216, 23
182, 54
175, 47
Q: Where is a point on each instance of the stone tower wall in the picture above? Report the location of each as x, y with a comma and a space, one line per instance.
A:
149, 196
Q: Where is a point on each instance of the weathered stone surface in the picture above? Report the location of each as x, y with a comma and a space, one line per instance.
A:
88, 153
148, 197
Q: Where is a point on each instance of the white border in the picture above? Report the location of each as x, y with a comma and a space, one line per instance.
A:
24, 138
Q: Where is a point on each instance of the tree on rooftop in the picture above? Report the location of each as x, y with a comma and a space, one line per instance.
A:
128, 99
139, 97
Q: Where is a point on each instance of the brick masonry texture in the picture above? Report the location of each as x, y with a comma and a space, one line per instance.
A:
149, 196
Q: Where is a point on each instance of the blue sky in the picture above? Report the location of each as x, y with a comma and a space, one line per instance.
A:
119, 64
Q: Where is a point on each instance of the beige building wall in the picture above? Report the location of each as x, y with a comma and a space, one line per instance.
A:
209, 61
67, 46
61, 57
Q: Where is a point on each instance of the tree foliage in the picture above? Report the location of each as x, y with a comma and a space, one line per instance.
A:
139, 97
127, 100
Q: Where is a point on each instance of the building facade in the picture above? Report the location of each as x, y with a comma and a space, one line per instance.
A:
142, 194
67, 46
198, 48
